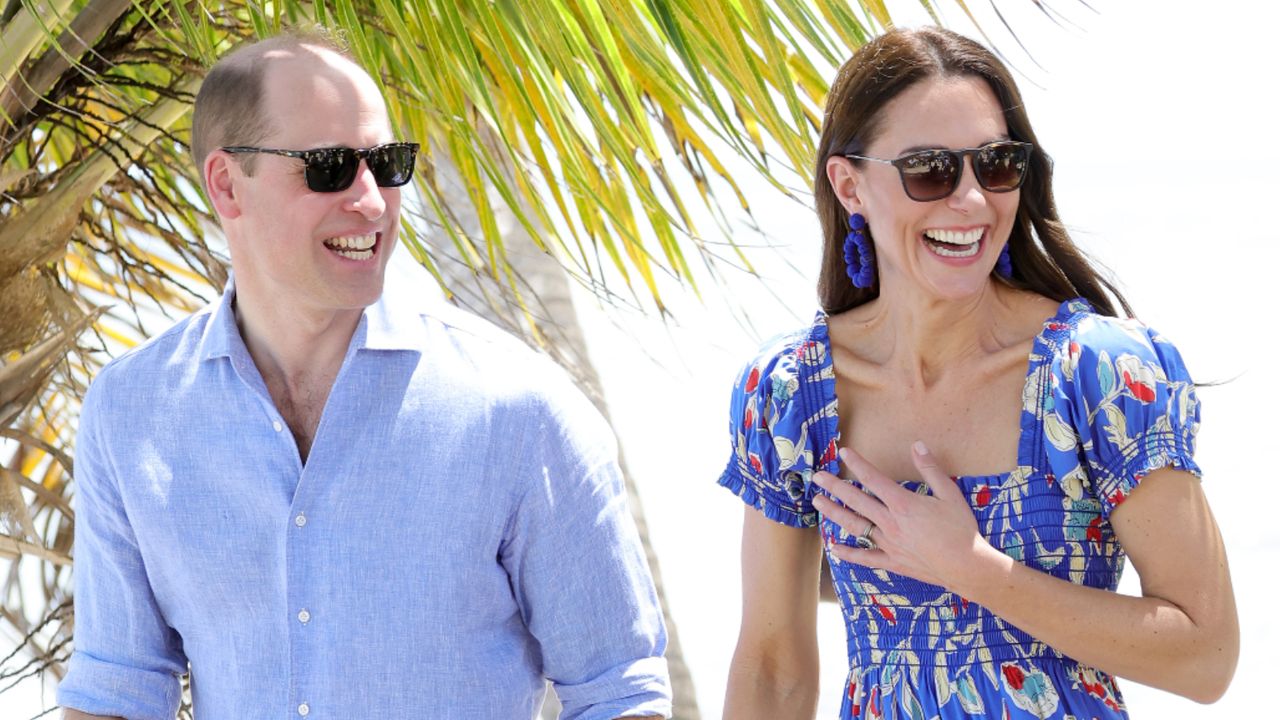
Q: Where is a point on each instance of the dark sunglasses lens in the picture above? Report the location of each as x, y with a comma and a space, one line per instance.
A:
1001, 168
331, 169
392, 165
929, 175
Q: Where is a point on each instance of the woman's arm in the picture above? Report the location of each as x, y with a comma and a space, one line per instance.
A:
774, 675
1182, 635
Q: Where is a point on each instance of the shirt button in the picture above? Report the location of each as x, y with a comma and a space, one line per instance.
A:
304, 617
304, 709
300, 520
275, 425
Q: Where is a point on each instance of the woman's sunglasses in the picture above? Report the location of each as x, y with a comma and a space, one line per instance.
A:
334, 169
934, 174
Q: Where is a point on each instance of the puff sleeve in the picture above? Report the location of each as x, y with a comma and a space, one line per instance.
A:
1122, 405
772, 464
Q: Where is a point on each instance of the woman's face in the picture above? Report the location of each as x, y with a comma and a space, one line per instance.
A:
912, 252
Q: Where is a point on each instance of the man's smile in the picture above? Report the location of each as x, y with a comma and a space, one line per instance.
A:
354, 247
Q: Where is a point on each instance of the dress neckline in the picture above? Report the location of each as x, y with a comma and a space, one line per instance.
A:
1032, 392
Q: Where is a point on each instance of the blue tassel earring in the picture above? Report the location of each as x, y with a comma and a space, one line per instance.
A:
1004, 264
859, 255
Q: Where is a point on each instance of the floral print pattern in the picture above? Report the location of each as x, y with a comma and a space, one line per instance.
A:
1106, 401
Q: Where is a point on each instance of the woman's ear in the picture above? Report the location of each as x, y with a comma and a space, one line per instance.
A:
220, 175
846, 182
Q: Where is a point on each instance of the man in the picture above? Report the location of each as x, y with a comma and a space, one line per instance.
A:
331, 503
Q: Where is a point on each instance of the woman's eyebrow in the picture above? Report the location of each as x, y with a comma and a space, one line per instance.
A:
917, 148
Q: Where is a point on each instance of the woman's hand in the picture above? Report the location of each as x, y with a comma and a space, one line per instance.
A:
1182, 635
933, 539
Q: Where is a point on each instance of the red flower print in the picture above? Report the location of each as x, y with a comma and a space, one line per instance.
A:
755, 462
885, 612
803, 351
751, 417
1055, 325
1013, 675
830, 453
1094, 532
1093, 688
753, 380
1049, 479
1118, 497
984, 496
1138, 378
1140, 390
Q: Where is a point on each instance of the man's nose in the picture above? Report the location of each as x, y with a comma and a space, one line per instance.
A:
364, 195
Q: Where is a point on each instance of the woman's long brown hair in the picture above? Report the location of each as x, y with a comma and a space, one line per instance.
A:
1045, 260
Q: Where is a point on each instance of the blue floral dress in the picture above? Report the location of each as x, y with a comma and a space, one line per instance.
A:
1105, 402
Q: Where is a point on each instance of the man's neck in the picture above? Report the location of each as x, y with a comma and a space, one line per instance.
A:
291, 346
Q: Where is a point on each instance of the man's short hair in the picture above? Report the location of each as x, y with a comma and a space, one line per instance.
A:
229, 107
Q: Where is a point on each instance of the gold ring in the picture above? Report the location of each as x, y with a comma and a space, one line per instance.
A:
864, 540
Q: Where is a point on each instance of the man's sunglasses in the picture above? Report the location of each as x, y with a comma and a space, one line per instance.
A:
934, 174
334, 169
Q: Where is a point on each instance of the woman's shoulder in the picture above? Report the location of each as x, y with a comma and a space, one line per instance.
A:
782, 392
782, 359
1080, 336
778, 396
1120, 403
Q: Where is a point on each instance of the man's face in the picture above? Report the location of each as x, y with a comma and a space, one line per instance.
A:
308, 251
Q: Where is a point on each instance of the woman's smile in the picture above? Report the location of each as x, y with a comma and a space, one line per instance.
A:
954, 244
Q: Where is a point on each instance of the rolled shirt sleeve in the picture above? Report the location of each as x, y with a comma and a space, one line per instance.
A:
579, 573
127, 660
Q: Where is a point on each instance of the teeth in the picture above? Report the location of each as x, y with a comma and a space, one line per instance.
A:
355, 254
954, 237
970, 251
352, 242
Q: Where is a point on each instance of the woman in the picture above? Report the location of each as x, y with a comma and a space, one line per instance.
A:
1006, 439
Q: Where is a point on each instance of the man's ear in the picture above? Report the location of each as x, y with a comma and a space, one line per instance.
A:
220, 175
846, 182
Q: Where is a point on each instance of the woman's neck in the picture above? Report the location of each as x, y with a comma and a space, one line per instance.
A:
921, 340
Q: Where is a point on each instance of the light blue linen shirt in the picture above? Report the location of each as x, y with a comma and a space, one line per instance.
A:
459, 533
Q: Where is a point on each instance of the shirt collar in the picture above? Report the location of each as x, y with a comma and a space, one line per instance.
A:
394, 322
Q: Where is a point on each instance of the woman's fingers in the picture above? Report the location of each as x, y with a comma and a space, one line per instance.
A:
852, 498
938, 480
888, 491
852, 522
861, 556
